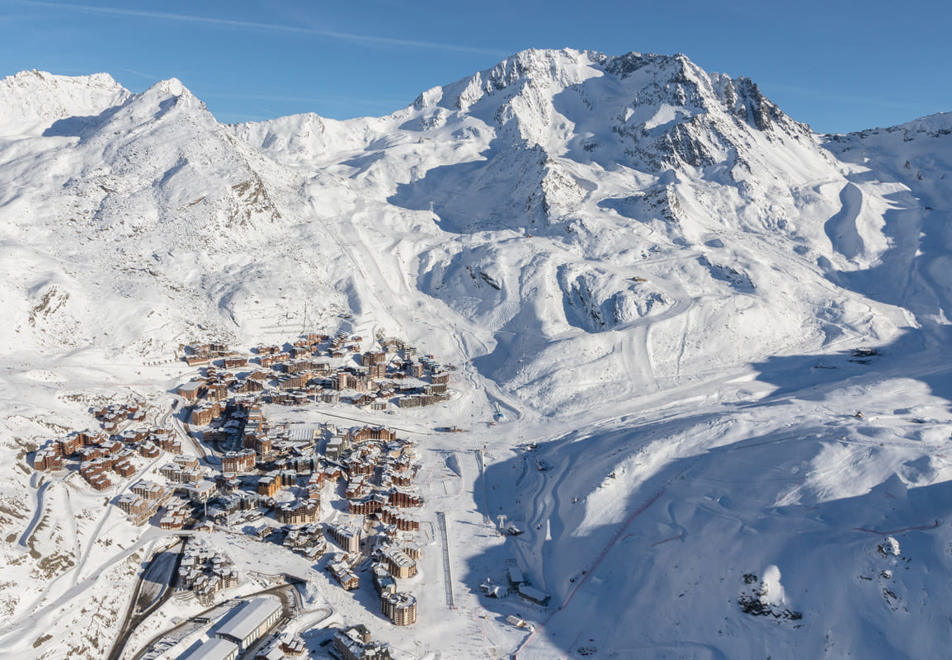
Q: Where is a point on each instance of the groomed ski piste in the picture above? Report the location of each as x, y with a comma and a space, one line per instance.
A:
701, 352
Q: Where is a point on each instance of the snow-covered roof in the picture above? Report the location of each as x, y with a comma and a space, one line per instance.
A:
213, 649
249, 617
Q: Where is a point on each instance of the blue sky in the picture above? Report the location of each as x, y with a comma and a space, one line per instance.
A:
836, 65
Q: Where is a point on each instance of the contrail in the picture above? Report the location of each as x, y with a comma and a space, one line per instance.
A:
271, 27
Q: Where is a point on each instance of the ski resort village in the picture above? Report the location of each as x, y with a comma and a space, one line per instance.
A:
268, 454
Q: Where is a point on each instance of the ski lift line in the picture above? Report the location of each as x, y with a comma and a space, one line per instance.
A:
598, 560
447, 576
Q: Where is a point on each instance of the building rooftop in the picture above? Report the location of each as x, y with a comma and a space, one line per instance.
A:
213, 649
249, 617
401, 599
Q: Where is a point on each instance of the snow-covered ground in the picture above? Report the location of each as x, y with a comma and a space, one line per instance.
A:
653, 280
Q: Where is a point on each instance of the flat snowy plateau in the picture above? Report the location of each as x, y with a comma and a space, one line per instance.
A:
713, 346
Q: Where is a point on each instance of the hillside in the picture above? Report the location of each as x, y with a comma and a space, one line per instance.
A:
680, 294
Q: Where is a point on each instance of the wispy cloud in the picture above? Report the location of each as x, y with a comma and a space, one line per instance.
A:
367, 39
140, 74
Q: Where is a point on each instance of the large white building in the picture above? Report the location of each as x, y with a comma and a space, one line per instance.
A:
247, 623
213, 649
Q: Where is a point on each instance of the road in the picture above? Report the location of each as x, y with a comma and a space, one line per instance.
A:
37, 514
184, 429
162, 567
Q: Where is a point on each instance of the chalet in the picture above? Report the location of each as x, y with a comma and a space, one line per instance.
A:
348, 381
69, 445
346, 536
356, 487
124, 467
87, 454
181, 470
263, 446
173, 520
217, 391
202, 491
364, 507
150, 490
238, 461
266, 361
354, 644
399, 563
298, 512
371, 433
111, 447
344, 574
404, 498
234, 362
371, 358
202, 415
97, 479
248, 386
293, 382
383, 581
363, 400
400, 608
169, 443
133, 505
47, 459
268, 486
533, 595
296, 367
398, 519
191, 391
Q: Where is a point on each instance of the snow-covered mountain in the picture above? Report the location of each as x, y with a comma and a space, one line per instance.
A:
649, 265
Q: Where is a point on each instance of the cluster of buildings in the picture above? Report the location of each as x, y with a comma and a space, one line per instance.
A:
143, 500
114, 415
109, 453
273, 477
306, 540
518, 584
355, 643
286, 467
316, 367
395, 561
341, 567
204, 572
199, 354
392, 559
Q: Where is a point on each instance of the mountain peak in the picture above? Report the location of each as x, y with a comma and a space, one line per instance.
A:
172, 87
32, 100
